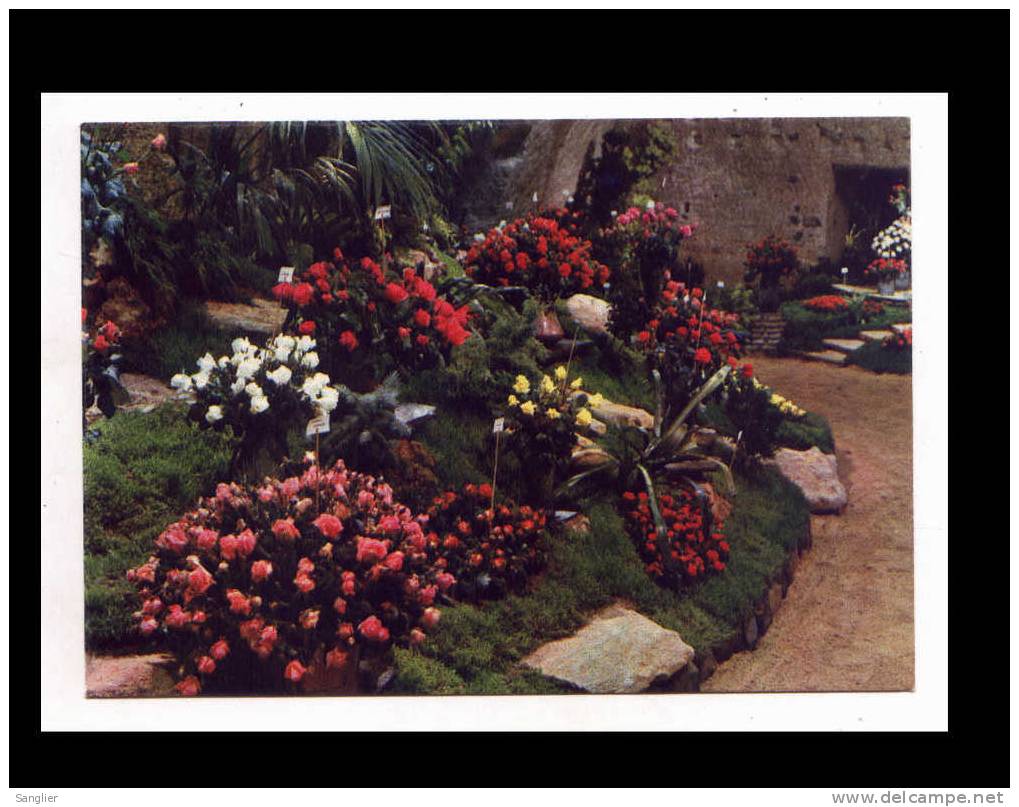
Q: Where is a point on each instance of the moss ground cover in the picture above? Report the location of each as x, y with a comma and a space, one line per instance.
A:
876, 357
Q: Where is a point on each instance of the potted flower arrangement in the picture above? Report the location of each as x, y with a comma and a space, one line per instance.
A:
887, 271
275, 586
541, 421
895, 243
767, 263
260, 393
543, 254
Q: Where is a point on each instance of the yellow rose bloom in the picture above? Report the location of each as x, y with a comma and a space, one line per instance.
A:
576, 382
560, 373
546, 385
522, 385
552, 413
528, 408
513, 400
584, 417
596, 400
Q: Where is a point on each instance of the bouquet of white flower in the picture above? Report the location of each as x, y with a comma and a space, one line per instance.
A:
260, 393
895, 240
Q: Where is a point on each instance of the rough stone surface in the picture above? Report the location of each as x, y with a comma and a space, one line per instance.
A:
901, 327
816, 474
590, 313
146, 393
128, 676
844, 345
875, 336
620, 415
262, 316
829, 356
619, 651
410, 413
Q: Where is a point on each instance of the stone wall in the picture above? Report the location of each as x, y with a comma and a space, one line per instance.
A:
738, 179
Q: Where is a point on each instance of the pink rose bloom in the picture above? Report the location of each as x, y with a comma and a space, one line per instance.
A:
266, 494
269, 634
430, 618
159, 142
390, 524
207, 539
290, 487
369, 549
340, 606
177, 618
260, 571
427, 595
295, 671
285, 530
329, 525
309, 619
365, 499
305, 566
228, 547
417, 636
246, 543
238, 602
223, 492
174, 539
219, 650
304, 583
373, 630
345, 631
686, 230
394, 561
198, 617
445, 580
384, 494
189, 687
148, 626
310, 477
130, 168
199, 581
152, 606
412, 585
206, 666
348, 587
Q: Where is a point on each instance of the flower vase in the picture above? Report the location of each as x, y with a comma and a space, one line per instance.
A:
886, 286
547, 328
903, 281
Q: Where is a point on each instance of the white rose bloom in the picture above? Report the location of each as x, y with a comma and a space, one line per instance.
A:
206, 363
247, 368
224, 362
201, 379
328, 399
241, 345
215, 413
259, 404
237, 387
282, 355
310, 360
313, 385
284, 341
181, 382
304, 344
253, 390
280, 376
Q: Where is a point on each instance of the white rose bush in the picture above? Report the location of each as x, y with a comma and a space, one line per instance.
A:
260, 393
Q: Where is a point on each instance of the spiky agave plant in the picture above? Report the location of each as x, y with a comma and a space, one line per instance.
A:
677, 452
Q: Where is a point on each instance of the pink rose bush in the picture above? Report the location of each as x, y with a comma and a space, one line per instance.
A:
257, 582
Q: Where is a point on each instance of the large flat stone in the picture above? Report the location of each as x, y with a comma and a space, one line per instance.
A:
844, 345
875, 336
590, 313
829, 356
128, 676
619, 651
816, 475
902, 327
620, 415
262, 316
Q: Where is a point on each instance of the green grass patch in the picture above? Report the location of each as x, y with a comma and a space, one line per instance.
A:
139, 475
799, 433
876, 357
806, 329
477, 648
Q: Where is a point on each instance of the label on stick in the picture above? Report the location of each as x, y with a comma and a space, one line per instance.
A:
383, 212
498, 425
318, 425
286, 274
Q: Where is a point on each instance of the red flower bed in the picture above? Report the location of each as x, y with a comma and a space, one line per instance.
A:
257, 582
353, 308
884, 268
540, 252
485, 554
769, 259
827, 303
698, 548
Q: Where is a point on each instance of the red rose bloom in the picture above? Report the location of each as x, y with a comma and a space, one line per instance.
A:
307, 327
295, 671
422, 318
396, 293
303, 294
373, 630
349, 340
329, 525
702, 356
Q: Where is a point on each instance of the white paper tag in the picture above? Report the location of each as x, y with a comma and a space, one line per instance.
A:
383, 212
721, 284
534, 198
845, 270
509, 205
498, 425
318, 425
286, 274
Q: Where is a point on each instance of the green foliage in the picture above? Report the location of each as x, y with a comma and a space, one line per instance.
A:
802, 433
363, 425
805, 329
141, 472
482, 645
876, 357
174, 347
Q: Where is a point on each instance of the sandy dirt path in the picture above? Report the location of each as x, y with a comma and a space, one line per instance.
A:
847, 620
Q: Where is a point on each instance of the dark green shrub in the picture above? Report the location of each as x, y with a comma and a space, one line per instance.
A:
876, 357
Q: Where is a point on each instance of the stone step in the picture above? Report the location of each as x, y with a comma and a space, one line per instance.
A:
875, 336
843, 345
899, 327
829, 356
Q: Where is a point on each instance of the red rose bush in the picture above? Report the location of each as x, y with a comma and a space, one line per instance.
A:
484, 553
260, 583
828, 303
697, 544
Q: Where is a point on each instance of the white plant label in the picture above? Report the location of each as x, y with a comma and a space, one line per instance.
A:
498, 425
721, 284
534, 198
286, 274
383, 212
318, 425
509, 205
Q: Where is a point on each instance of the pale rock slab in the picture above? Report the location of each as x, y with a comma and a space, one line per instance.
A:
815, 474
